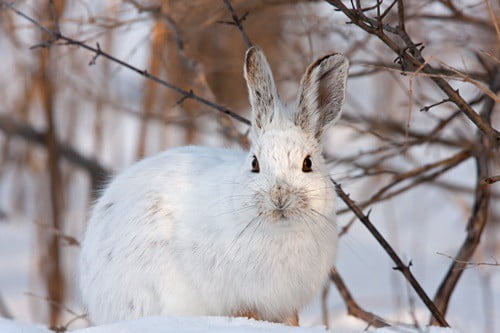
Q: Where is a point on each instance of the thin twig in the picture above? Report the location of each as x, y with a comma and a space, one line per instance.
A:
428, 107
470, 263
54, 16
70, 240
237, 22
53, 303
491, 180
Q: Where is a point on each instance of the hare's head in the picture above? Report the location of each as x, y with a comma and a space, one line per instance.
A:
288, 175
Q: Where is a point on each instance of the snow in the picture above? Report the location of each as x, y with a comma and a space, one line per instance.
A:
200, 324
11, 326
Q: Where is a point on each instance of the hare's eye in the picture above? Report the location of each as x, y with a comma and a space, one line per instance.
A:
255, 165
307, 164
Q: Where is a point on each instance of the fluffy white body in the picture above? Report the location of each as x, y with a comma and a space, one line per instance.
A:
205, 231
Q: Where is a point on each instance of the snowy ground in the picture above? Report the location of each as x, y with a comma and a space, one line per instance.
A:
197, 325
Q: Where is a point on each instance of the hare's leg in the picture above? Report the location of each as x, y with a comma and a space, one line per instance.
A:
292, 320
247, 314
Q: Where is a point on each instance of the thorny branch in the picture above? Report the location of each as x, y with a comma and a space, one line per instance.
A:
475, 228
400, 266
157, 11
65, 40
237, 22
382, 194
491, 180
479, 215
97, 172
353, 308
410, 58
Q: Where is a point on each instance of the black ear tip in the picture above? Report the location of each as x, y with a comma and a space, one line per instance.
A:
331, 58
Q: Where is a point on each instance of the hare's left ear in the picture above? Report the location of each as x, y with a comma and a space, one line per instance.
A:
321, 94
261, 88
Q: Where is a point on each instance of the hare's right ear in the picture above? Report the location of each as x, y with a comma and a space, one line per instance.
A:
261, 88
321, 94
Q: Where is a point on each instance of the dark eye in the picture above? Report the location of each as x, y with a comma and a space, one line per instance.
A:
255, 164
307, 164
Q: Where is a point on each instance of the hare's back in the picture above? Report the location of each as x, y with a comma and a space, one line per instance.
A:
144, 201
133, 225
168, 182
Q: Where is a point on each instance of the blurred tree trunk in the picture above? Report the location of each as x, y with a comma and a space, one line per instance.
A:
50, 263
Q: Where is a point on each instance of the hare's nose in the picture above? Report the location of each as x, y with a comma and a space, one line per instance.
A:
279, 204
279, 196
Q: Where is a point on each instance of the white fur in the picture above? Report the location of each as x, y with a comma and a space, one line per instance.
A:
192, 231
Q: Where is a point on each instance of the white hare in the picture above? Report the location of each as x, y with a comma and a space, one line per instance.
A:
206, 231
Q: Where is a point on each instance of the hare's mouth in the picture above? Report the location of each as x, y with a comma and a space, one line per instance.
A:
282, 202
280, 214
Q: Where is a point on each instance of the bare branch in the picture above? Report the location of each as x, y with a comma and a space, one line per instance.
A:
353, 308
411, 59
480, 209
237, 22
98, 52
447, 164
97, 172
4, 311
70, 240
491, 180
400, 266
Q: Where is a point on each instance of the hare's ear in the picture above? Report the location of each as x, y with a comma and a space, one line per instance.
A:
261, 88
321, 94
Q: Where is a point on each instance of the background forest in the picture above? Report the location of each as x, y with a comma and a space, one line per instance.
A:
88, 87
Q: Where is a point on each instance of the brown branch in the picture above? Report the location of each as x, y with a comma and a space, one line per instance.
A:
353, 308
480, 209
418, 137
491, 180
381, 195
65, 40
237, 22
441, 18
4, 311
169, 21
53, 302
441, 71
401, 15
428, 107
65, 327
70, 240
324, 305
475, 228
400, 266
411, 59
52, 267
96, 171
